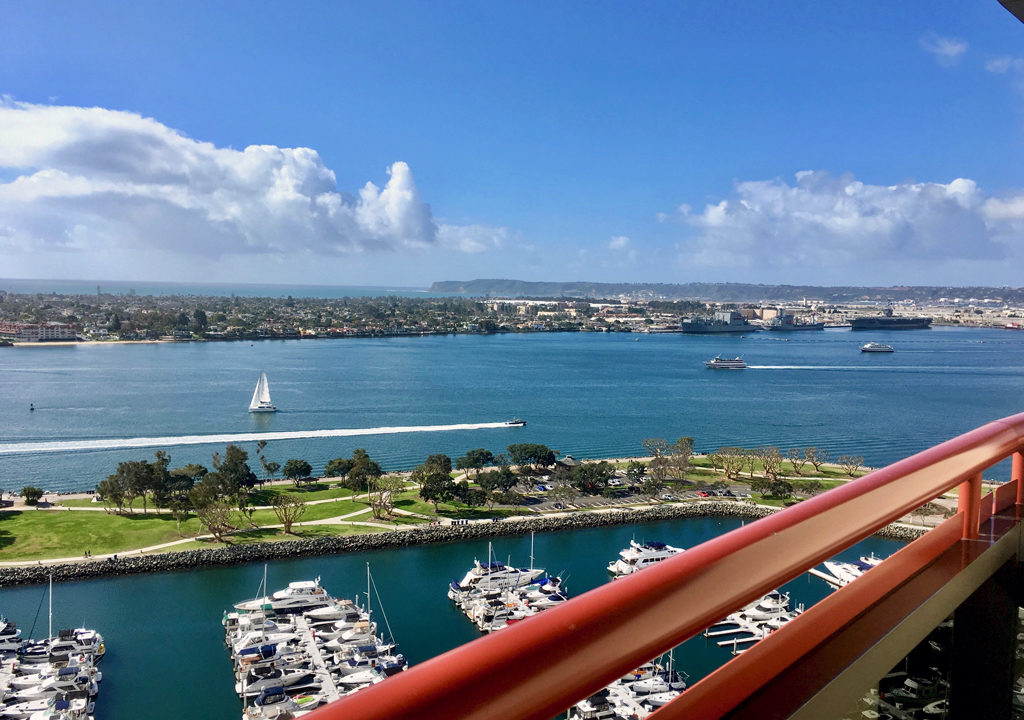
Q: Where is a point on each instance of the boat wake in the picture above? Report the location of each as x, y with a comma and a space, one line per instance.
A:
176, 440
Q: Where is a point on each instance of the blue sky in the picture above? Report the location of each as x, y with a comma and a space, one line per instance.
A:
784, 142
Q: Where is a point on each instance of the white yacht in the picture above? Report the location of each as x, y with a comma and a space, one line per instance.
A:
639, 556
495, 575
873, 347
299, 596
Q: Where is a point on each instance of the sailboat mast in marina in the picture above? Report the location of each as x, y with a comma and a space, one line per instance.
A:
261, 397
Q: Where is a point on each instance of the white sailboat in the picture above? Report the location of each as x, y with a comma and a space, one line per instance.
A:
261, 396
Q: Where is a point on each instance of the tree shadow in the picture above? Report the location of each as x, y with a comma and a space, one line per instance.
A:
7, 538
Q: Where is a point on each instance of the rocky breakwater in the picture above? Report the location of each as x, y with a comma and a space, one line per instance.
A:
130, 564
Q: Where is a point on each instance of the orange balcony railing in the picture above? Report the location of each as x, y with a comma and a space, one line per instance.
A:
808, 668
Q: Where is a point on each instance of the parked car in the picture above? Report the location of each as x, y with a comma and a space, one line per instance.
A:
702, 493
614, 482
666, 496
559, 506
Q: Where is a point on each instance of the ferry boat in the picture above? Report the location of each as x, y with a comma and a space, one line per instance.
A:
720, 363
873, 347
639, 556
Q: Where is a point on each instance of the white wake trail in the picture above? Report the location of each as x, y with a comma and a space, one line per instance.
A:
176, 440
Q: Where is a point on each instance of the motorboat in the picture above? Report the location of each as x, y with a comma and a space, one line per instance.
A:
720, 363
639, 556
258, 679
299, 596
772, 605
492, 575
274, 701
873, 347
515, 422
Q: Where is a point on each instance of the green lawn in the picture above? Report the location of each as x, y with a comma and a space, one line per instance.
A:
35, 534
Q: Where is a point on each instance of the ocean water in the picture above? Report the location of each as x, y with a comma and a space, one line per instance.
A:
585, 394
166, 657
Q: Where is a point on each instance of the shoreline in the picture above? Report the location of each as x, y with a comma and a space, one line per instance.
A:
414, 535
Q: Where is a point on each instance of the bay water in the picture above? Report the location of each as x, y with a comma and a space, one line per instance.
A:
166, 657
589, 395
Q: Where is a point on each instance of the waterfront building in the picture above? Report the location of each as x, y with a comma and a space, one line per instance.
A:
38, 332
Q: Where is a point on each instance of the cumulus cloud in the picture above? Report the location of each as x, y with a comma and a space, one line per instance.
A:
947, 51
618, 242
105, 180
827, 222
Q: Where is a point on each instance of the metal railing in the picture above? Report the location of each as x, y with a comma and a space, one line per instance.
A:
536, 669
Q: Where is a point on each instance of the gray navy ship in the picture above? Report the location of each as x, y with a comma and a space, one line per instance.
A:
888, 322
723, 321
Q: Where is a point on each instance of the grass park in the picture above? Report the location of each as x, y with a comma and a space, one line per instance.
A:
73, 526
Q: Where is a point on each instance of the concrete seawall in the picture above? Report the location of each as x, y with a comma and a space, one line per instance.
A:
421, 535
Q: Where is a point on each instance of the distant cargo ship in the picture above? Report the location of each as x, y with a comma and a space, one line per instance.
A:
723, 321
788, 323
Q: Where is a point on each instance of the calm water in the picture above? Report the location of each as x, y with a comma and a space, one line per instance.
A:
165, 642
589, 395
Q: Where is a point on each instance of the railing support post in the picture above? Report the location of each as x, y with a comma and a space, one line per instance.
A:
969, 504
1017, 473
984, 640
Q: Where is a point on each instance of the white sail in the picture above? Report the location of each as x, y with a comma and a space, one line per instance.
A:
261, 396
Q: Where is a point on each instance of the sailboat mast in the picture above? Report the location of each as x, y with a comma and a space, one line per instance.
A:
367, 590
49, 630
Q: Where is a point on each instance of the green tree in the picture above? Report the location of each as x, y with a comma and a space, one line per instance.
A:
32, 494
338, 467
530, 456
383, 491
133, 478
160, 479
296, 470
363, 472
288, 509
442, 462
235, 471
592, 478
216, 518
475, 460
681, 458
436, 486
111, 493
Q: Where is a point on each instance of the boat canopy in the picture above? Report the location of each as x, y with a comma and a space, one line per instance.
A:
656, 545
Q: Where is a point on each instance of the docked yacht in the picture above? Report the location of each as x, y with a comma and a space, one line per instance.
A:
299, 596
495, 575
639, 556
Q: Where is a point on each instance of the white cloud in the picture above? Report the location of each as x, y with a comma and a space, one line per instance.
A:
1004, 64
619, 242
472, 238
823, 223
107, 181
947, 51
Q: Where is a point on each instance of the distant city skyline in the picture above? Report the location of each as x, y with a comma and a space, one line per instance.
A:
403, 143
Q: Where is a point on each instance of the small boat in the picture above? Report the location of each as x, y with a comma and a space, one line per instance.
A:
515, 422
876, 347
720, 363
260, 402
